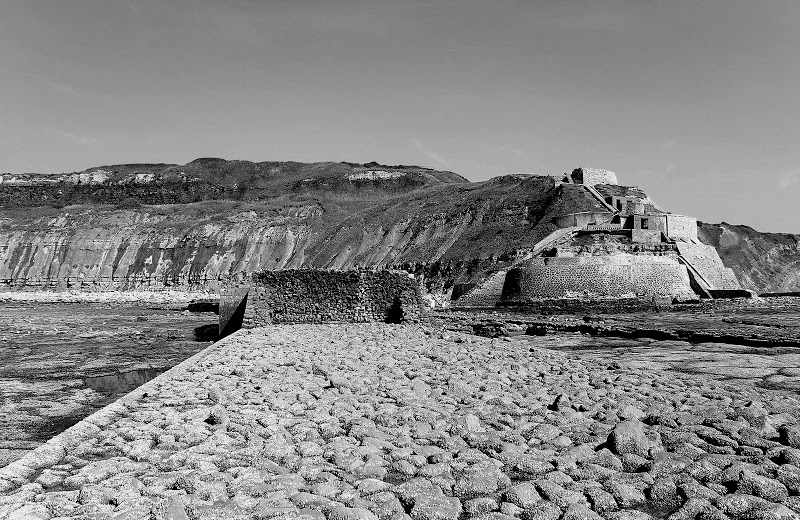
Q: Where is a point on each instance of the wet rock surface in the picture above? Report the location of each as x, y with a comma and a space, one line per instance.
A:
377, 421
63, 361
755, 342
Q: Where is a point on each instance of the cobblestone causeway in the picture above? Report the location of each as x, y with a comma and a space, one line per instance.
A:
373, 421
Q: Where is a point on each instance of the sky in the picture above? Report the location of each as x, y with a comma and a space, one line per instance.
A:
695, 101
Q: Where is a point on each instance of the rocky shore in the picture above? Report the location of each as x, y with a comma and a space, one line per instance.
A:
60, 362
110, 297
366, 422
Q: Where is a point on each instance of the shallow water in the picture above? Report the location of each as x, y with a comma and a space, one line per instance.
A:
122, 382
61, 362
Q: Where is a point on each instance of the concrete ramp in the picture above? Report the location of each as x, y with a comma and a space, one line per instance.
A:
706, 264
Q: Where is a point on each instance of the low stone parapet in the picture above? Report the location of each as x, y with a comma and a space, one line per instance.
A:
321, 296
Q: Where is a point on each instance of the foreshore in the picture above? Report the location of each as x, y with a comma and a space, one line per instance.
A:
375, 421
126, 297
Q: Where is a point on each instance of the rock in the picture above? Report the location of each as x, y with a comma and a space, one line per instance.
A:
30, 512
543, 510
693, 508
789, 476
630, 412
601, 500
627, 496
523, 495
510, 510
481, 479
790, 434
629, 515
629, 437
738, 505
481, 505
409, 492
351, 513
563, 498
173, 508
581, 512
525, 463
760, 486
432, 507
664, 495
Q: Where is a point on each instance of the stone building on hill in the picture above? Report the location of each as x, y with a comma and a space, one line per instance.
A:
626, 246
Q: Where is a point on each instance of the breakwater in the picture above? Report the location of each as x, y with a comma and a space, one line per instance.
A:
372, 420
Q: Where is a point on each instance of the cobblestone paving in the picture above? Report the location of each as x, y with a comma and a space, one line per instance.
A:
366, 422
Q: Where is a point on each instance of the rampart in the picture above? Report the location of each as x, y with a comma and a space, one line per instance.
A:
615, 275
680, 226
321, 296
582, 219
593, 176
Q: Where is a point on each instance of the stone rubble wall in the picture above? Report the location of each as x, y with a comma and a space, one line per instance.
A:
319, 296
681, 226
707, 262
628, 274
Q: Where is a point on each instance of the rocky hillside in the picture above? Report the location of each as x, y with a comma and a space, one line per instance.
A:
764, 262
199, 224
204, 222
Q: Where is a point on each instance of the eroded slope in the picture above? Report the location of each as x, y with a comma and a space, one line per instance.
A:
764, 262
320, 215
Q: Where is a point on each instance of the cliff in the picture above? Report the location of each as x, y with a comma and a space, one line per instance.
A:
193, 226
763, 262
253, 216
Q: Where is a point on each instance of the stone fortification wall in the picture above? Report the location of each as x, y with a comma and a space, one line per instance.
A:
319, 296
593, 176
617, 275
681, 226
707, 262
581, 219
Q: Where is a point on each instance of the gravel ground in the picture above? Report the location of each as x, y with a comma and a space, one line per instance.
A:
366, 422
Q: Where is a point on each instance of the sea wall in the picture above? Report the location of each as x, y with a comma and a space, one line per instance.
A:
320, 296
707, 262
617, 275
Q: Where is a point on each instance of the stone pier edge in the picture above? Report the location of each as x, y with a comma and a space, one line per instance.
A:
20, 471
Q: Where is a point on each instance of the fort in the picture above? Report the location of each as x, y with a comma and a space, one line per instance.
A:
626, 246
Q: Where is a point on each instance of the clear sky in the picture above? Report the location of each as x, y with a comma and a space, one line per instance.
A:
696, 101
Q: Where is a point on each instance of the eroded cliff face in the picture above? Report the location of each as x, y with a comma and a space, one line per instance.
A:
763, 262
197, 225
442, 222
